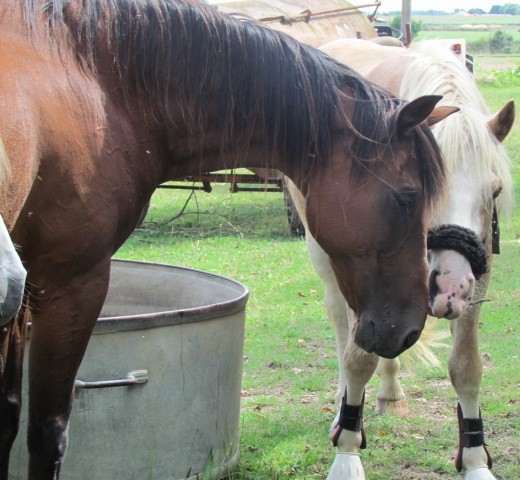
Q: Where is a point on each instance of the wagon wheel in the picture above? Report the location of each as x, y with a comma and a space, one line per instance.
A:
295, 223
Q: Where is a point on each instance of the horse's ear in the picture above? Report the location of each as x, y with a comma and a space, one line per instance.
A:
502, 122
440, 113
415, 112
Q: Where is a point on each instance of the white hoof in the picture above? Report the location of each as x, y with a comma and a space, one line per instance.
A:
346, 466
479, 473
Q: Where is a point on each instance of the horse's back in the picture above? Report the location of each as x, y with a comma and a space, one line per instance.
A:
384, 65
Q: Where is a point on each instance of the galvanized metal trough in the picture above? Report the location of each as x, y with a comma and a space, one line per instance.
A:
158, 392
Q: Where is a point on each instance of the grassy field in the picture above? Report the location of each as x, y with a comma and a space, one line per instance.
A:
444, 22
471, 28
468, 35
290, 369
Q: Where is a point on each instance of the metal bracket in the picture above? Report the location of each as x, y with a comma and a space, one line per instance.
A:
134, 377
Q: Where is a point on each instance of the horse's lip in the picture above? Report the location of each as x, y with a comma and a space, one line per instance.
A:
449, 310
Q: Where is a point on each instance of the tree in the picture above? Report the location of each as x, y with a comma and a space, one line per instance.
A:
416, 25
511, 9
501, 42
507, 9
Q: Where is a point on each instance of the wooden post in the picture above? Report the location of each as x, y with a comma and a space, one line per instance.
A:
406, 21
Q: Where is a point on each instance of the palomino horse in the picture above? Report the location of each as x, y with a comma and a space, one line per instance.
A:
462, 238
103, 100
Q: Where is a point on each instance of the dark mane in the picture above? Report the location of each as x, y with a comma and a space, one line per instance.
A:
269, 85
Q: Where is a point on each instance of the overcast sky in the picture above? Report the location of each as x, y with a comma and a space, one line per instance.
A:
442, 5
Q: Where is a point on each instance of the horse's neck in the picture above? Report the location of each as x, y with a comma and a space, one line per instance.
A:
208, 157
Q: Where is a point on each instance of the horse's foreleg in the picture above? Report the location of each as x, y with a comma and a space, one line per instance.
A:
12, 343
390, 396
63, 320
354, 373
465, 369
336, 308
348, 434
335, 304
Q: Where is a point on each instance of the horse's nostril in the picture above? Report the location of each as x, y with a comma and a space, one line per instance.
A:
411, 339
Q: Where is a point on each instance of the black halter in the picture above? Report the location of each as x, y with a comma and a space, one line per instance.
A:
495, 227
462, 240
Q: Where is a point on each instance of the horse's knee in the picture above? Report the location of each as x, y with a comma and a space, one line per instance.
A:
466, 376
10, 407
359, 363
47, 440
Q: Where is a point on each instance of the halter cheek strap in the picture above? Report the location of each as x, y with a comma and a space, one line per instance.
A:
350, 418
471, 434
495, 229
462, 240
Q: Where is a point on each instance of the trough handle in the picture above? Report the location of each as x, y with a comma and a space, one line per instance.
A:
132, 378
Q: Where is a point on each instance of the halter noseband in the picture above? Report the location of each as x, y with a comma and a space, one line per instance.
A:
462, 240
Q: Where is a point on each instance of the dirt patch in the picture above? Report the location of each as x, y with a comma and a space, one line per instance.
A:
412, 472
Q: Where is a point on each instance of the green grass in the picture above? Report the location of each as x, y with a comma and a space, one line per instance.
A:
290, 369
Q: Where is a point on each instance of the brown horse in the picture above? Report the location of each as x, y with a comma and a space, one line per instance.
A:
103, 100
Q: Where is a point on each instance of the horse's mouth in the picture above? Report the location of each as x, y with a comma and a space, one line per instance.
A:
447, 306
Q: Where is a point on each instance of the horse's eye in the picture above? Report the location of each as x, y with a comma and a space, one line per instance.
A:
497, 192
404, 201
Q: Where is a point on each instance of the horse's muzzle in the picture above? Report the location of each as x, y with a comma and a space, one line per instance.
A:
385, 339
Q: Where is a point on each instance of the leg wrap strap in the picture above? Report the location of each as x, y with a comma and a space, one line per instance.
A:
471, 434
350, 418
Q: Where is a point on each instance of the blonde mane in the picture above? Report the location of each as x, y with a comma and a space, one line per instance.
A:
464, 137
